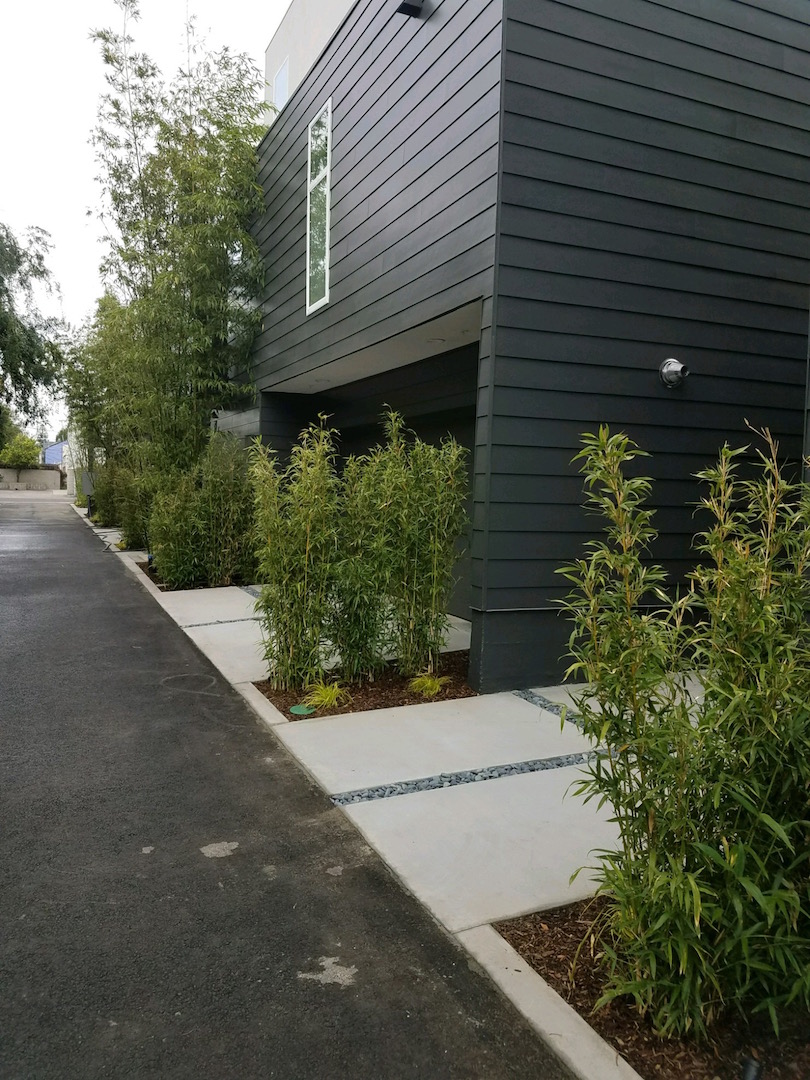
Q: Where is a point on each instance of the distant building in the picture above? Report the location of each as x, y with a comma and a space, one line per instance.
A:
54, 453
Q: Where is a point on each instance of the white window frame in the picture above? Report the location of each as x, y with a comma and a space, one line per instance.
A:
311, 185
285, 65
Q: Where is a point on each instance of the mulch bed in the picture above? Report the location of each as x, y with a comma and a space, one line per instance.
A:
388, 690
153, 575
548, 942
150, 571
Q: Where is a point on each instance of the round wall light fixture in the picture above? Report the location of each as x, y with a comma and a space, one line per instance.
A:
672, 372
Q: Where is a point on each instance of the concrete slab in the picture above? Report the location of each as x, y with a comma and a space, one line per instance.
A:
367, 749
483, 852
561, 694
458, 635
234, 648
195, 607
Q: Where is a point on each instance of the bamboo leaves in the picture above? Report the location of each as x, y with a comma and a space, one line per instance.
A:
357, 566
710, 887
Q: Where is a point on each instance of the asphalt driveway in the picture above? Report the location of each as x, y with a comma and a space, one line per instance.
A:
176, 898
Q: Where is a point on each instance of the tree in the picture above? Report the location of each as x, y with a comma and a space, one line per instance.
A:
21, 453
8, 426
61, 435
30, 350
171, 341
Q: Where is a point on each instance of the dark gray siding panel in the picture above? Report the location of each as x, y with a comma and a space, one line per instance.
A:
654, 203
414, 163
246, 424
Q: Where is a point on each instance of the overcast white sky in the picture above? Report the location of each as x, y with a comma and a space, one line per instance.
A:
51, 78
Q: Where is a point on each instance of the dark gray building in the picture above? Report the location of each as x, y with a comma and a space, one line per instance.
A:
500, 217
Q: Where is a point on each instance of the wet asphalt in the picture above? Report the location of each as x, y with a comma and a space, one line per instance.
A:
125, 950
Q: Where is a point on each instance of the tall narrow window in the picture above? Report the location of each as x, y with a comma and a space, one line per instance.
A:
318, 203
281, 85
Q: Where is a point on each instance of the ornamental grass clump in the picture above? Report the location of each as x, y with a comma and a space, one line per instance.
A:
709, 886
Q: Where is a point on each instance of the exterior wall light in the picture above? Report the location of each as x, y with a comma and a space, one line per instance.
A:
672, 373
412, 8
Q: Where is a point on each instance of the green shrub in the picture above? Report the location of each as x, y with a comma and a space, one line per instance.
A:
106, 506
297, 521
201, 529
225, 510
422, 489
176, 535
357, 566
709, 888
359, 619
134, 498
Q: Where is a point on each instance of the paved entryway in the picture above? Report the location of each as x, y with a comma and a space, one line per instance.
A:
177, 899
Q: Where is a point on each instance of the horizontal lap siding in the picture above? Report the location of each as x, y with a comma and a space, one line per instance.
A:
654, 203
414, 164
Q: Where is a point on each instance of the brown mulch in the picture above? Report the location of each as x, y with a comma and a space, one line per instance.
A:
548, 941
388, 690
153, 575
150, 571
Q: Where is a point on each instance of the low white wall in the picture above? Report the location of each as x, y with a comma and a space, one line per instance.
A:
30, 480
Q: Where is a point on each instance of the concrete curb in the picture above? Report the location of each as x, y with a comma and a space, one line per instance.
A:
82, 512
561, 1028
130, 559
266, 711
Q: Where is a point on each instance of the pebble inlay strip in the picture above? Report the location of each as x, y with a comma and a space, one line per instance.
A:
219, 622
469, 776
550, 706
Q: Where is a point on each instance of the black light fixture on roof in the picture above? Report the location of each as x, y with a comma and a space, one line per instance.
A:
414, 7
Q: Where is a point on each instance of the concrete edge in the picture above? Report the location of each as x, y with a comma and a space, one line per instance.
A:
130, 559
561, 1028
82, 512
266, 711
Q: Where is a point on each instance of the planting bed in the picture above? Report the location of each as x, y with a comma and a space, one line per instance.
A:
387, 691
155, 577
548, 941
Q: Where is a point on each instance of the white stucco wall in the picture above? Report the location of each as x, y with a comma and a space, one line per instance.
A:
30, 480
301, 38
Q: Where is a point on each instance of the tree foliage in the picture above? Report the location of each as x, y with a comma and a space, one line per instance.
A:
8, 425
21, 453
30, 352
171, 338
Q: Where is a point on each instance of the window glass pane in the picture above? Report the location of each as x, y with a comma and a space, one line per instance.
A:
317, 242
318, 145
281, 85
